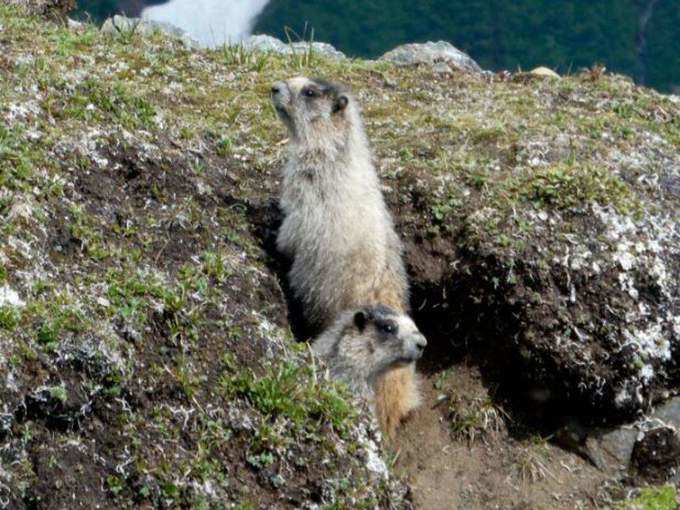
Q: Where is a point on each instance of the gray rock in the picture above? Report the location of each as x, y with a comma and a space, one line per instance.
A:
75, 24
441, 68
265, 43
612, 451
544, 72
649, 447
669, 413
432, 53
608, 449
318, 48
145, 27
268, 43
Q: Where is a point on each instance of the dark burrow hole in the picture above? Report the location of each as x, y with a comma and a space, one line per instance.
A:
459, 331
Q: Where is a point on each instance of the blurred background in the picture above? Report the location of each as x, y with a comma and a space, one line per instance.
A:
640, 38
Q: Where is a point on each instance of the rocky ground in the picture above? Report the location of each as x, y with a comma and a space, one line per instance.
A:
147, 352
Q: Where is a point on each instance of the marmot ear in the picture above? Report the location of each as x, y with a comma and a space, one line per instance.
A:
360, 320
340, 103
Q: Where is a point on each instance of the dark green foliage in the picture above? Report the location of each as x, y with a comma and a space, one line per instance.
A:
662, 55
564, 35
97, 9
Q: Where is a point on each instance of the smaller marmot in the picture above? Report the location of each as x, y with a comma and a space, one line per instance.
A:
362, 344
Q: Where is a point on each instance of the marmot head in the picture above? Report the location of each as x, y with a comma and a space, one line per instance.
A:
311, 107
391, 338
364, 342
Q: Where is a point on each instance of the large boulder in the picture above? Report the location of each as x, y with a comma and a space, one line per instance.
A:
432, 53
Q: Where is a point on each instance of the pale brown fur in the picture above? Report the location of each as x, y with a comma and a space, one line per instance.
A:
397, 390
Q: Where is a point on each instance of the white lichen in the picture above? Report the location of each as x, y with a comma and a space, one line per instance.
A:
10, 297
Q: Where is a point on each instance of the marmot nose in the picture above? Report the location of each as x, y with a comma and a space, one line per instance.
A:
277, 88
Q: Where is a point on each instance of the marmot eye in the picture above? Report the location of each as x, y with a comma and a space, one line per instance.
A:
310, 93
387, 328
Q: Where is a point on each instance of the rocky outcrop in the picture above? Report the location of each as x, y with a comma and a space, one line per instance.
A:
268, 43
571, 276
432, 53
145, 27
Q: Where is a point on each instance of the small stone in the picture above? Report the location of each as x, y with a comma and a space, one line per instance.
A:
74, 24
145, 27
441, 68
544, 72
10, 297
267, 43
277, 481
318, 48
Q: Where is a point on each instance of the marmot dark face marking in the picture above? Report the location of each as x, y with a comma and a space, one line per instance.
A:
363, 344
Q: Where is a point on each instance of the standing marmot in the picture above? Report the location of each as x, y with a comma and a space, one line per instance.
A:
363, 344
336, 226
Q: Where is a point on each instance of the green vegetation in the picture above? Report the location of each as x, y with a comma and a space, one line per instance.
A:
653, 498
279, 393
139, 274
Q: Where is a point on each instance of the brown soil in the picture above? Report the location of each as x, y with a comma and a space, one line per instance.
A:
495, 470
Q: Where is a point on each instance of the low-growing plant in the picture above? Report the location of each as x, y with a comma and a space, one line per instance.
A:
289, 390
